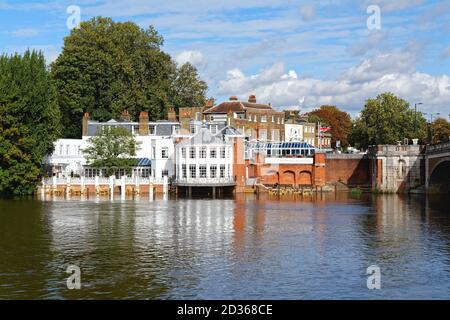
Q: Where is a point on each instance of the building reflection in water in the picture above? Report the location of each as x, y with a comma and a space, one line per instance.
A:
316, 246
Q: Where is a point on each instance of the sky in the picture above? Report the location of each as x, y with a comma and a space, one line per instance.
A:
294, 54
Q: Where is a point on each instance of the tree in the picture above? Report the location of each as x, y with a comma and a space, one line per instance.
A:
339, 121
387, 119
112, 149
440, 129
188, 90
29, 121
106, 67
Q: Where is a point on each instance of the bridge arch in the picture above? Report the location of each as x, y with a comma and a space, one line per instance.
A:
439, 181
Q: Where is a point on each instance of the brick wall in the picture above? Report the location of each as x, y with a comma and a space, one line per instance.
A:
351, 171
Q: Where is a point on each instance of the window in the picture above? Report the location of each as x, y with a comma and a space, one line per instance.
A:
214, 129
264, 118
202, 169
203, 152
273, 119
61, 149
222, 152
213, 171
213, 153
165, 152
183, 171
165, 173
193, 171
192, 153
183, 153
175, 130
222, 171
91, 173
151, 129
145, 173
67, 149
193, 128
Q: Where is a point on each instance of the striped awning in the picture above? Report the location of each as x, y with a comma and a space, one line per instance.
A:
143, 162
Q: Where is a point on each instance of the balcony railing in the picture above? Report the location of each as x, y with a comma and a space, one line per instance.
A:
206, 181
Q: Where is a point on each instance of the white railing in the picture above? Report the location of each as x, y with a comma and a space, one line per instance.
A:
206, 181
102, 181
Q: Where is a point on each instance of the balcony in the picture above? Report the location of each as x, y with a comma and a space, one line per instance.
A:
205, 182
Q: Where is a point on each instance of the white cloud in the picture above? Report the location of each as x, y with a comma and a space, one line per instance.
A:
25, 32
193, 57
446, 53
390, 5
393, 72
307, 12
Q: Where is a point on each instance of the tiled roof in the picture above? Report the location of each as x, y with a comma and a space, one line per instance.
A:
236, 106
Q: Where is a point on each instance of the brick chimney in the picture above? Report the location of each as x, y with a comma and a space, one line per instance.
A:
85, 123
252, 99
125, 116
171, 114
233, 98
210, 103
143, 124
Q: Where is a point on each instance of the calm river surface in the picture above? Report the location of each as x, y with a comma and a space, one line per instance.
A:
240, 248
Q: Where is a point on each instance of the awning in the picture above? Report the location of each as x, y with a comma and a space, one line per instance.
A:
143, 162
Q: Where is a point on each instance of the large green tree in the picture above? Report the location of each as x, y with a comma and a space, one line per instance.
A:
188, 90
339, 121
387, 119
29, 121
106, 67
114, 148
440, 129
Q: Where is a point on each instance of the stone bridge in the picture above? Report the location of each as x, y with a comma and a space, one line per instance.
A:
437, 168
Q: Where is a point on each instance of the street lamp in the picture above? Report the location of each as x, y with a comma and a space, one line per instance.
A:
430, 131
415, 117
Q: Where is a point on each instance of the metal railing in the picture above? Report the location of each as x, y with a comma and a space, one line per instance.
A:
206, 181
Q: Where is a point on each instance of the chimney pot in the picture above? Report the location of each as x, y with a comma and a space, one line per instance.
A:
252, 99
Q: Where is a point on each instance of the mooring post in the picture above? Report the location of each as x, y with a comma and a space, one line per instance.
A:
97, 184
165, 185
150, 190
111, 187
123, 187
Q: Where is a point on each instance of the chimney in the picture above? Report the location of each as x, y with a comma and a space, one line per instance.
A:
233, 98
85, 124
210, 103
171, 114
125, 116
252, 99
143, 124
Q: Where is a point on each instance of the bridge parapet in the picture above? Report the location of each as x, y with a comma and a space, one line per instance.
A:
438, 148
393, 150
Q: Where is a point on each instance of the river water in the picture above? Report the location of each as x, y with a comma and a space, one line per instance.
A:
312, 247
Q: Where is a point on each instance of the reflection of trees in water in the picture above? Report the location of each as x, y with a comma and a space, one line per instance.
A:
24, 249
401, 236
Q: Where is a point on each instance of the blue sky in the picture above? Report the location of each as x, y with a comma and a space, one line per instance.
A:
295, 54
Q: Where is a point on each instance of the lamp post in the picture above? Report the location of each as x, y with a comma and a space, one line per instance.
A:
430, 131
415, 117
